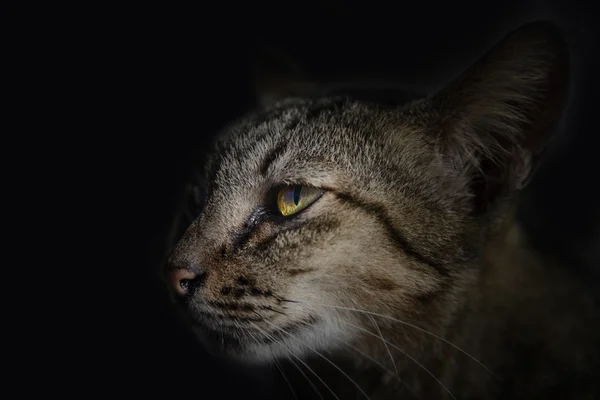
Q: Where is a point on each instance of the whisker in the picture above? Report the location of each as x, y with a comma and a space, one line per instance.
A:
302, 362
307, 378
406, 354
285, 378
380, 365
404, 323
316, 375
386, 347
325, 358
274, 310
274, 362
383, 367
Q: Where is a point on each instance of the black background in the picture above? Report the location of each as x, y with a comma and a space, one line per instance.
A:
153, 81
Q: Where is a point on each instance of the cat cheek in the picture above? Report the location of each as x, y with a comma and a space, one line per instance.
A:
261, 234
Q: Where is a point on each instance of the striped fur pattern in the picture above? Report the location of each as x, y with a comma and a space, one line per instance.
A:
415, 225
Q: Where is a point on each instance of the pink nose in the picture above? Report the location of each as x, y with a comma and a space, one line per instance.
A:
184, 281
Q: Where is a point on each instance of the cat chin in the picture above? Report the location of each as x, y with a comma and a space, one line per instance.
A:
301, 342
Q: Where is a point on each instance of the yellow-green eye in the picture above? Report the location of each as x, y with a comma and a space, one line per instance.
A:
294, 199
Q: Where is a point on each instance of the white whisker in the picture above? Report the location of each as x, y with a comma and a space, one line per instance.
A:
380, 365
315, 388
324, 357
274, 361
406, 354
386, 347
300, 360
403, 323
285, 378
383, 367
386, 369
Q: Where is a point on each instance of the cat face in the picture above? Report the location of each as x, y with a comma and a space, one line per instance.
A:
365, 242
317, 208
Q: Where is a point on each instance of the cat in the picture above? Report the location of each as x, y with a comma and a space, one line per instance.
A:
366, 244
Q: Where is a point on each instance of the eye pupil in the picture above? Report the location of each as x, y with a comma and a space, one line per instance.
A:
297, 191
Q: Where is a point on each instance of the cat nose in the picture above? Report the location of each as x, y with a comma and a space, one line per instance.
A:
184, 281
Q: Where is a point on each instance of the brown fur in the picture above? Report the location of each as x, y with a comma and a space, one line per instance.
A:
415, 224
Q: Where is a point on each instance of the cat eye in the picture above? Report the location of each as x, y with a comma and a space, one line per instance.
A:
293, 199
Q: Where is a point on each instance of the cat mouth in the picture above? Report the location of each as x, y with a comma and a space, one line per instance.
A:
242, 329
236, 333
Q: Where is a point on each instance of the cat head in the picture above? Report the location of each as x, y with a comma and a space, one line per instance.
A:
319, 205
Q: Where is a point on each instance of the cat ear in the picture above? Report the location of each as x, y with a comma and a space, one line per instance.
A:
495, 119
276, 75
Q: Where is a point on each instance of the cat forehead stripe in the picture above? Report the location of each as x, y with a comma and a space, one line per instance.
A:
272, 155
